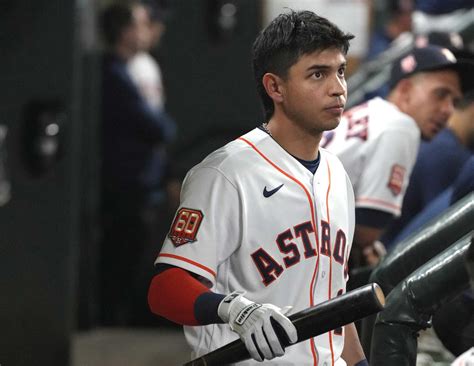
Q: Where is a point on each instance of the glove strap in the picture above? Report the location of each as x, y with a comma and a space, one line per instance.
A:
224, 307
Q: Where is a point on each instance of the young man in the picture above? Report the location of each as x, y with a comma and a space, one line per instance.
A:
267, 221
378, 141
453, 146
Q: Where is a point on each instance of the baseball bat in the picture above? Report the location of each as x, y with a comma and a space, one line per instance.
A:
309, 323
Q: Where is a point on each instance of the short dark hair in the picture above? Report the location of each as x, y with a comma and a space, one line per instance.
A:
286, 39
113, 20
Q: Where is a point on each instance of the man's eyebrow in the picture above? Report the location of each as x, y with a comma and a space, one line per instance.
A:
325, 67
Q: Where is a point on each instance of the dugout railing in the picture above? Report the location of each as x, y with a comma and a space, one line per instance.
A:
416, 250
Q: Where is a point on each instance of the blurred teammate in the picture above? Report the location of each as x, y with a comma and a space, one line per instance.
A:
133, 136
144, 69
438, 164
452, 146
378, 141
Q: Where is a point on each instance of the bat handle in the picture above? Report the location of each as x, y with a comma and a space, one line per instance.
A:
280, 332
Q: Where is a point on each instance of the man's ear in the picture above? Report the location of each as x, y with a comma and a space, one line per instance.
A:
273, 86
404, 88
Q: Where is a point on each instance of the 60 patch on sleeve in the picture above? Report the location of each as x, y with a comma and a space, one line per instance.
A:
397, 177
185, 226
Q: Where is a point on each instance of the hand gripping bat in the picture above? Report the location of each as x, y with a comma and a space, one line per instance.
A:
309, 323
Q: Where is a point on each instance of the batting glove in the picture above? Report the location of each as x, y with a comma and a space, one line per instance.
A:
254, 323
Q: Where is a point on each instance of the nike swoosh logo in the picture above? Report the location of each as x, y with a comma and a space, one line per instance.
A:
271, 192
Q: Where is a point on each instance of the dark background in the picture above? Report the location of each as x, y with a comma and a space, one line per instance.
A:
49, 76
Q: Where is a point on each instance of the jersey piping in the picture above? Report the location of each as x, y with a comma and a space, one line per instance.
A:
330, 260
380, 202
178, 257
316, 234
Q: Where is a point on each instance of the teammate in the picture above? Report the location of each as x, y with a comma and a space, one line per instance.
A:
267, 221
453, 146
143, 67
378, 141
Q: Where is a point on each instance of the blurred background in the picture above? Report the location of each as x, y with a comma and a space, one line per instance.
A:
54, 139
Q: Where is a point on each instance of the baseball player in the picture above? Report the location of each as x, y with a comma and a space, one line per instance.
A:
378, 141
265, 223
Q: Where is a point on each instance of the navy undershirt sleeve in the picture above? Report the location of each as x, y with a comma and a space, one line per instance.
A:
373, 218
205, 308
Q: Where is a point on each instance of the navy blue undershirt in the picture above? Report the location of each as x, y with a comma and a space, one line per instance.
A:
373, 218
311, 165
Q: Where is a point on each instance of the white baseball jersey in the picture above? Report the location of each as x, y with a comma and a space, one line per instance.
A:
146, 73
378, 145
253, 218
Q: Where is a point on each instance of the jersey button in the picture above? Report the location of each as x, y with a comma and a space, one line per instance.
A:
323, 274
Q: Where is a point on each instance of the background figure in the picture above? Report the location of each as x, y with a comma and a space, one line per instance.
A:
133, 140
378, 141
146, 73
392, 18
438, 164
452, 147
437, 7
143, 67
431, 15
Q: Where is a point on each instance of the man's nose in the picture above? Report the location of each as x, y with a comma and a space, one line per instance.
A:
447, 107
338, 86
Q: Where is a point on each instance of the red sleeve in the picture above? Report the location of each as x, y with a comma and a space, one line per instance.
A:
172, 295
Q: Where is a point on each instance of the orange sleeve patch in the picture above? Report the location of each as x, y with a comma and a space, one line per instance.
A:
185, 226
397, 176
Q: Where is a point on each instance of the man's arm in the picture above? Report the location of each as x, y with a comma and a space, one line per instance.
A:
352, 352
364, 236
370, 224
178, 296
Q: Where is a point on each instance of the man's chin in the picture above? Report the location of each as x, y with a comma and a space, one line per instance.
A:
428, 136
333, 124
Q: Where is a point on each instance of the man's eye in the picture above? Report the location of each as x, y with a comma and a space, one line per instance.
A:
318, 75
441, 94
341, 71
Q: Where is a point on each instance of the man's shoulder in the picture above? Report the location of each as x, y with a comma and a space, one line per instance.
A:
383, 110
234, 156
334, 162
330, 157
143, 63
385, 117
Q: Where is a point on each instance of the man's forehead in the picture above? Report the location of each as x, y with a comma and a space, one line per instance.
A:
329, 56
447, 78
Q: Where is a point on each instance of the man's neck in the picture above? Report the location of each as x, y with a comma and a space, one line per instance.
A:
297, 141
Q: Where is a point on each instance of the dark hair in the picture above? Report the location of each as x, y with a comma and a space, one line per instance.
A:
285, 40
113, 20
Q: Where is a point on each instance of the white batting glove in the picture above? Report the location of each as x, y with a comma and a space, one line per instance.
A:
252, 322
